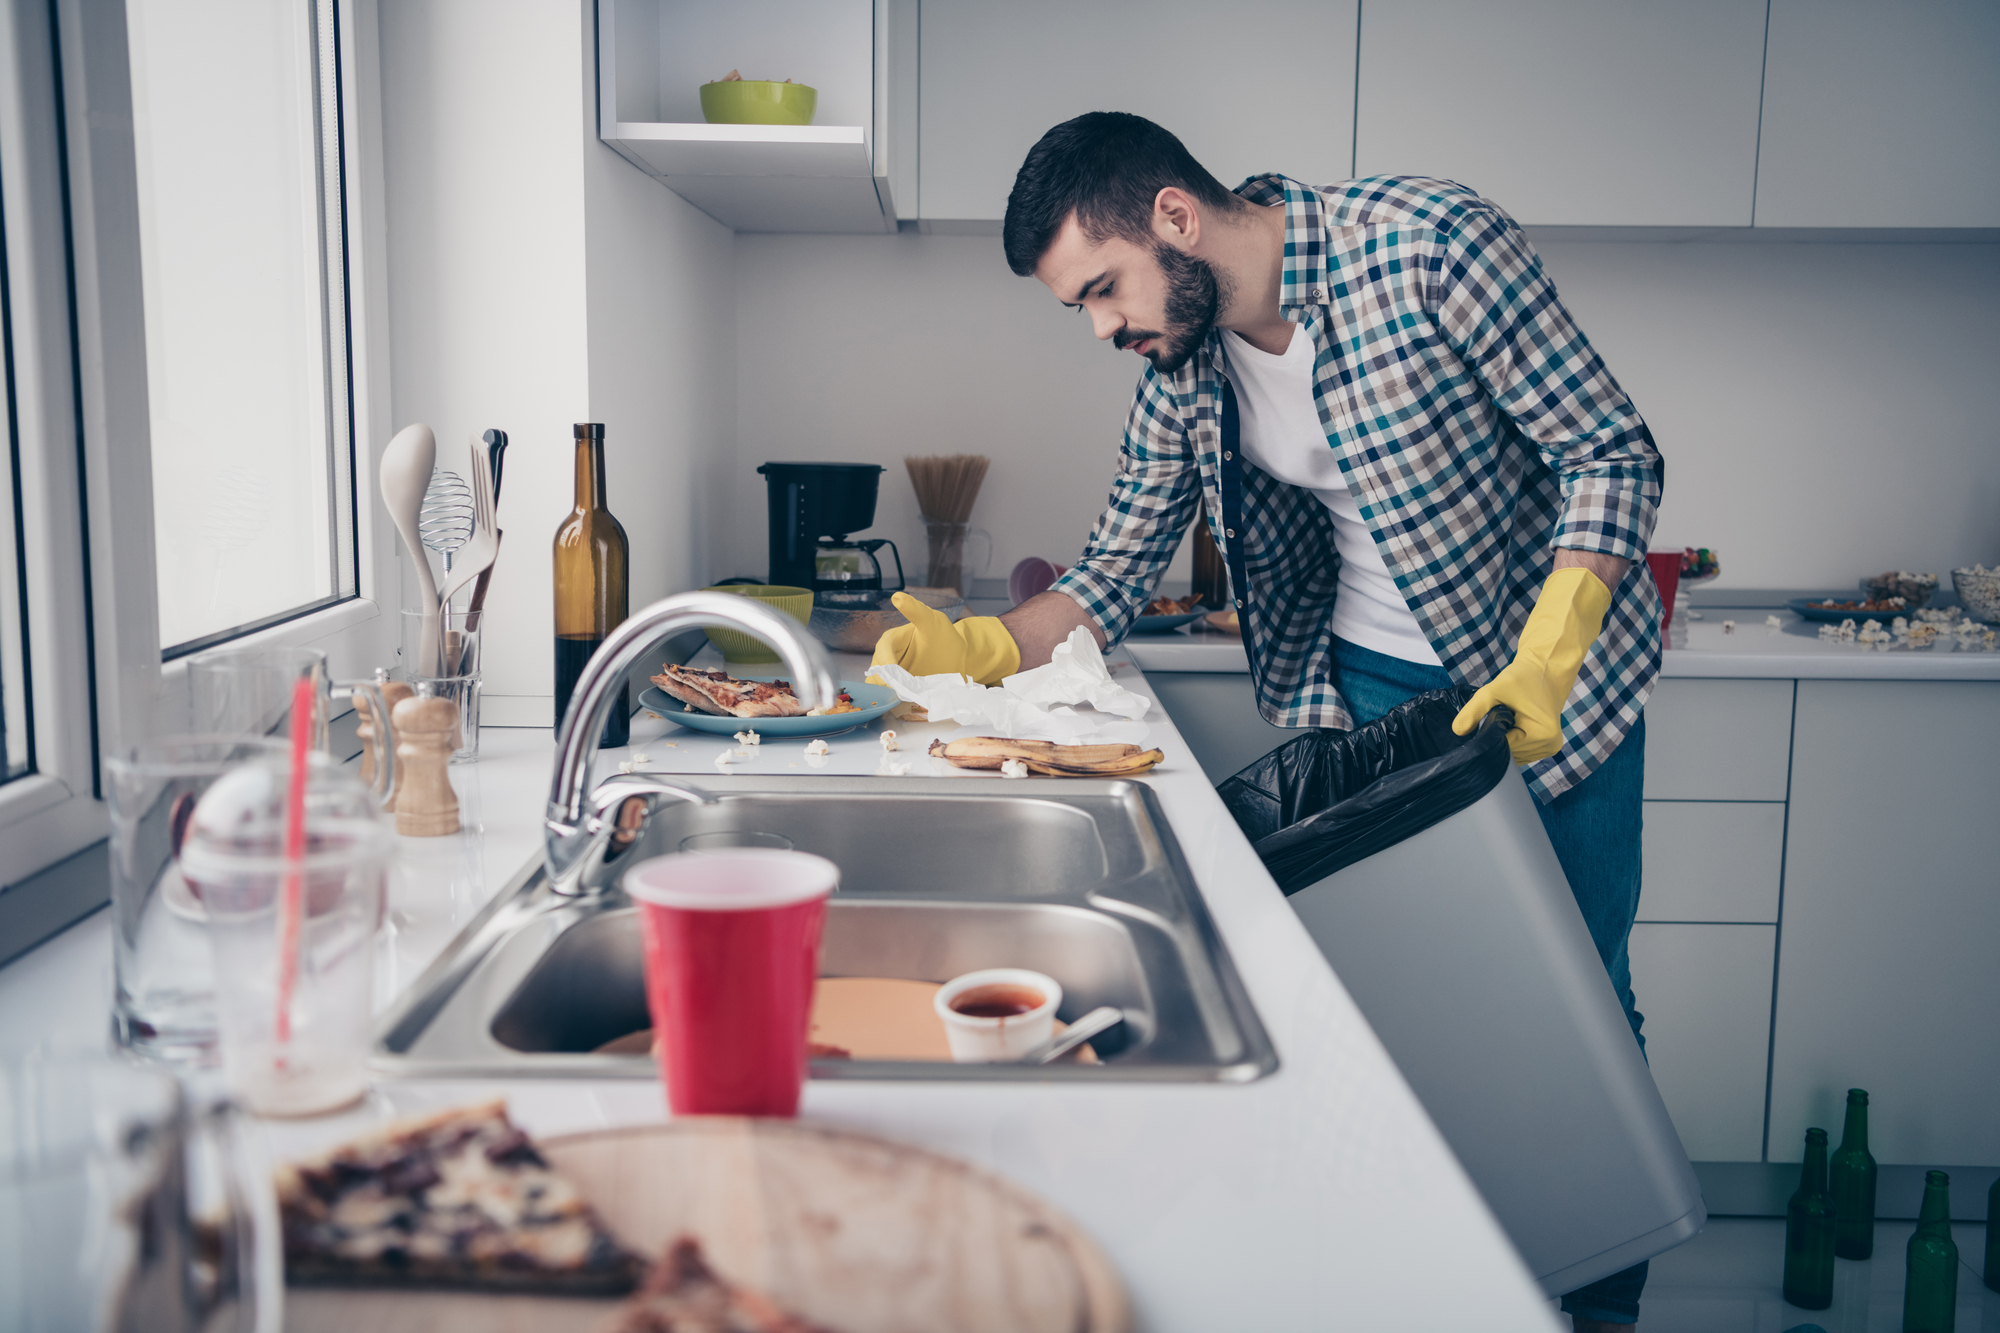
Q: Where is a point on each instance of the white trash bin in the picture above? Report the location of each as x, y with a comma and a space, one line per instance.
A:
1465, 950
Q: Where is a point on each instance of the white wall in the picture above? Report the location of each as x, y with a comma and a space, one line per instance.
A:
1823, 408
867, 349
537, 280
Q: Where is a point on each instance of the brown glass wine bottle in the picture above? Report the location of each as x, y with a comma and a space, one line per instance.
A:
591, 559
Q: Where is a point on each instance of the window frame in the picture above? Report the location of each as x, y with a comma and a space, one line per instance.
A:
67, 151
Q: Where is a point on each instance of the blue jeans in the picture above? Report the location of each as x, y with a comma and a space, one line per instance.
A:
1594, 827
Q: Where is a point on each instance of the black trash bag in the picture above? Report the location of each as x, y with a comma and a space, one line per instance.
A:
1330, 798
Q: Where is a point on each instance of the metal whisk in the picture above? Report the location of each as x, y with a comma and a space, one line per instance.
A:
445, 521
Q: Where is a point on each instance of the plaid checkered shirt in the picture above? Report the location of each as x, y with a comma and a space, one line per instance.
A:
1475, 427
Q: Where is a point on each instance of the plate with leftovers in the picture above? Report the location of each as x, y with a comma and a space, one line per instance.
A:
722, 705
1836, 609
1167, 613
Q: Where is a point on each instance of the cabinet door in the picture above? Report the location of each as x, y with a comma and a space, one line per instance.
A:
1216, 714
1706, 995
1881, 115
1256, 86
1568, 111
1718, 740
1889, 970
1714, 861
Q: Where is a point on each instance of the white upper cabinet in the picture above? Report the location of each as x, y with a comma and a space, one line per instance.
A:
1568, 112
841, 173
1249, 87
1881, 115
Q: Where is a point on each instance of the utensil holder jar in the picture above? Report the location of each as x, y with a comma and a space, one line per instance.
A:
948, 567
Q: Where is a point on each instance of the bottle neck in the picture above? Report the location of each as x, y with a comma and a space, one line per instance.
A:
1935, 1217
590, 474
1854, 1132
1812, 1175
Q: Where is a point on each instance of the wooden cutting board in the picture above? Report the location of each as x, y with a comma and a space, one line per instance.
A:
856, 1233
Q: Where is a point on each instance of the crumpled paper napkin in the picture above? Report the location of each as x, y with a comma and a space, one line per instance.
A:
1076, 674
1033, 704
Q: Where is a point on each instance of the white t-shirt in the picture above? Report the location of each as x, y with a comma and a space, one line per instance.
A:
1281, 433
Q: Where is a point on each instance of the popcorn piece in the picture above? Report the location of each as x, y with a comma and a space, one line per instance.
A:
1013, 768
746, 739
1728, 627
1773, 622
889, 742
725, 759
642, 759
626, 766
818, 747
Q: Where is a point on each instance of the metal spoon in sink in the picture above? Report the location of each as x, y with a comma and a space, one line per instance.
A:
1098, 1020
405, 475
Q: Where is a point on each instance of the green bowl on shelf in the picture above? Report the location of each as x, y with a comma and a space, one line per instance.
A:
758, 102
740, 649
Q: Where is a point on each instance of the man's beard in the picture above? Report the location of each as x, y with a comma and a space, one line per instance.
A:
1195, 296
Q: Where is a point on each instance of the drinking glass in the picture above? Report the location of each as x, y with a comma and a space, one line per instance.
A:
248, 692
293, 941
732, 955
456, 676
95, 1217
163, 1003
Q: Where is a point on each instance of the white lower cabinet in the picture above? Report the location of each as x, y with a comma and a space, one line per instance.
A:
1715, 861
1706, 993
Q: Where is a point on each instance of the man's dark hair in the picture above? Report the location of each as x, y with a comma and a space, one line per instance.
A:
1106, 167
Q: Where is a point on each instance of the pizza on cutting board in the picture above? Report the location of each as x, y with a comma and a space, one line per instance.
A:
459, 1198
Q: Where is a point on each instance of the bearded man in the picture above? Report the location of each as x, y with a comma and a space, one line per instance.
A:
1419, 473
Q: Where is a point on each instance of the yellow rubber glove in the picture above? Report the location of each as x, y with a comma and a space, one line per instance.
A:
1565, 622
930, 645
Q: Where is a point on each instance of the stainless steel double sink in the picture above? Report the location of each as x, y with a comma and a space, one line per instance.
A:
1078, 879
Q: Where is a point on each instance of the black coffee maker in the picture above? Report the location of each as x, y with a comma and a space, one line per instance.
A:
813, 507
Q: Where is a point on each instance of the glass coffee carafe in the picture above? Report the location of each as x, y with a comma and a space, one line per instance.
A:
848, 576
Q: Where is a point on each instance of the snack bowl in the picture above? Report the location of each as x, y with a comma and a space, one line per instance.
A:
1914, 589
1978, 591
849, 631
740, 649
758, 102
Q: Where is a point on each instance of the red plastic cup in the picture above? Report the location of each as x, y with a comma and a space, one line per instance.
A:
1666, 567
732, 955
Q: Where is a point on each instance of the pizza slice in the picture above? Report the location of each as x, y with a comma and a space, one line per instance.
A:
459, 1198
723, 695
682, 1294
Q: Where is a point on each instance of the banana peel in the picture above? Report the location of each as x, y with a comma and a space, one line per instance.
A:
1047, 758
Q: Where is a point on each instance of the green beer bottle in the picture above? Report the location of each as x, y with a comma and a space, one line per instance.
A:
1993, 1236
1851, 1180
1930, 1280
1809, 1230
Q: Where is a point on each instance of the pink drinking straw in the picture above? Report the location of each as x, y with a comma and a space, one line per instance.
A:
290, 900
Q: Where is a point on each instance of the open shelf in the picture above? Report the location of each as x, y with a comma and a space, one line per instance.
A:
817, 178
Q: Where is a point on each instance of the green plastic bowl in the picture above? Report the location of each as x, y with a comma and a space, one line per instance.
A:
758, 102
740, 649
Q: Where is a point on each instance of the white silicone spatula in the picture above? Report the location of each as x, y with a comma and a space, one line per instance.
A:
407, 465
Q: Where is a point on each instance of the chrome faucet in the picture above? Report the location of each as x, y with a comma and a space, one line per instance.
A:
587, 829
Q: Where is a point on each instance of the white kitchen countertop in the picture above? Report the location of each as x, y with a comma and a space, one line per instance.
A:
1320, 1196
1752, 650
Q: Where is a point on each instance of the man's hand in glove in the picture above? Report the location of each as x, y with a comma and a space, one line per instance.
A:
930, 645
1565, 622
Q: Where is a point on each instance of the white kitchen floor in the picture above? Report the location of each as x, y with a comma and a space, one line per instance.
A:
1728, 1279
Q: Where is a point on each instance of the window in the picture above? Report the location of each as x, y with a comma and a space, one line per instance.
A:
237, 115
17, 740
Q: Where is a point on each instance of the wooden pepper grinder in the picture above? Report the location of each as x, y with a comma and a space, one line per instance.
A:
393, 693
426, 806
